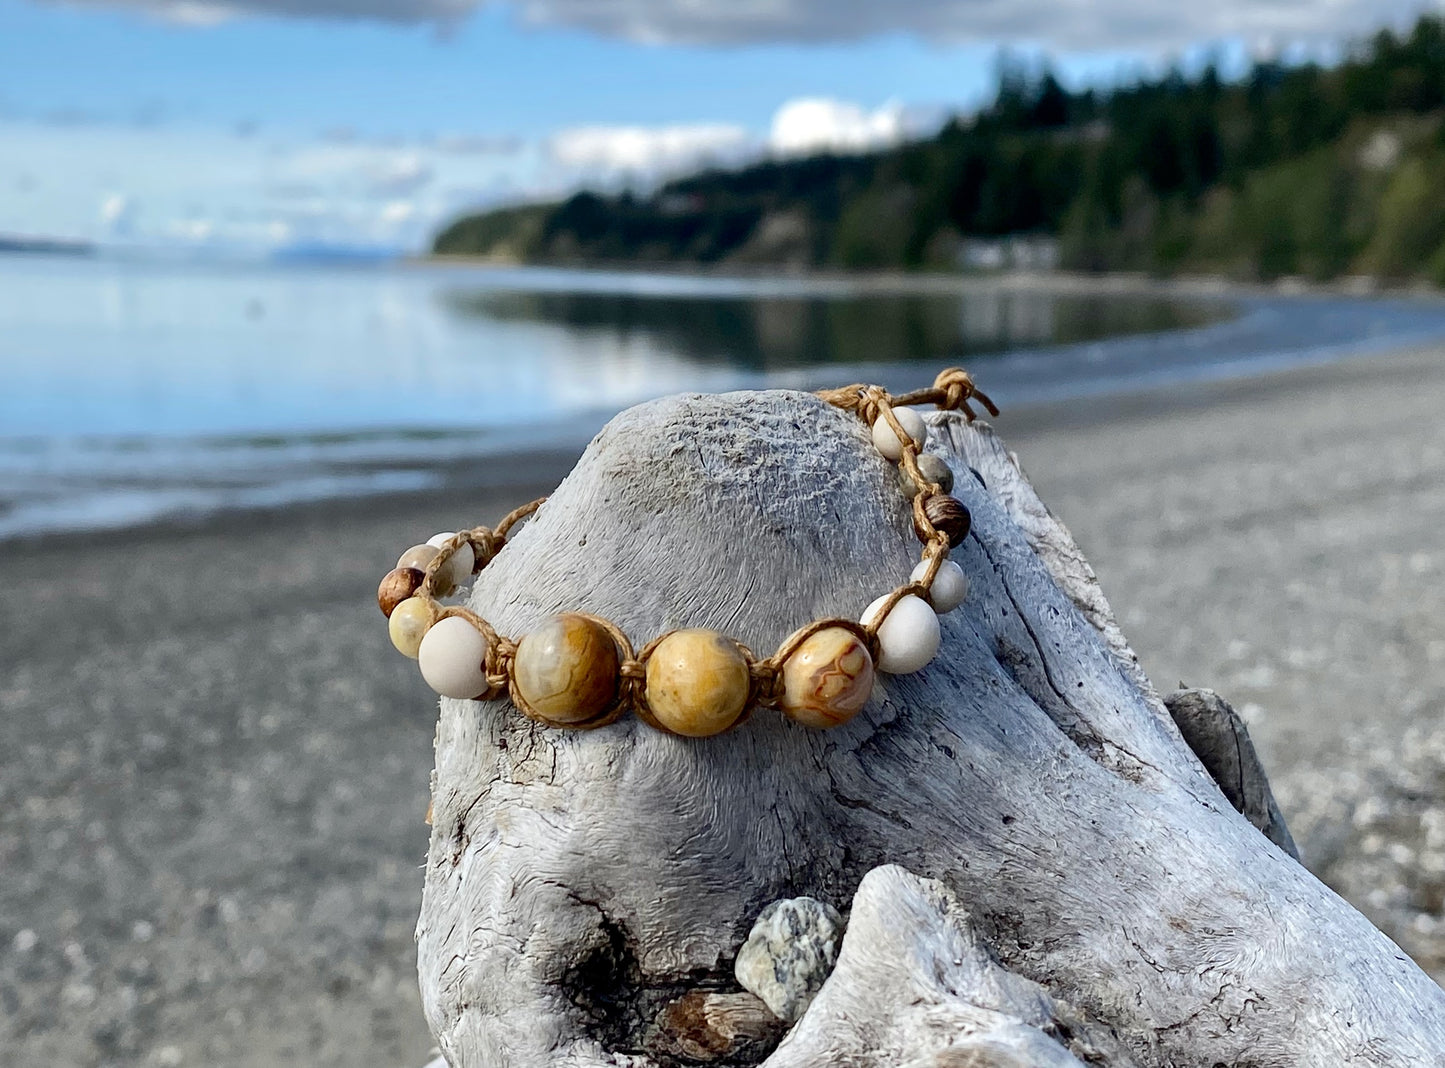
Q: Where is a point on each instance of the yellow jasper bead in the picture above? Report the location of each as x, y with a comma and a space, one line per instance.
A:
567, 670
408, 625
827, 679
697, 683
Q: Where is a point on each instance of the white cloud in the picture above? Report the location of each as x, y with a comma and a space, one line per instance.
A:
818, 124
195, 230
117, 212
1067, 25
197, 12
397, 175
353, 168
397, 212
202, 187
647, 150
806, 126
211, 12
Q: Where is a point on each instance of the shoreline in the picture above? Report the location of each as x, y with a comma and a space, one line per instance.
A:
488, 473
114, 480
1116, 283
514, 467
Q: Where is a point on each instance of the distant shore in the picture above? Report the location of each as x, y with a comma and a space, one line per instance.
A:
1118, 283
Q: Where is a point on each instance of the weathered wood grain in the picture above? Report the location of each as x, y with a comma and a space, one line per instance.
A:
915, 985
577, 883
1213, 729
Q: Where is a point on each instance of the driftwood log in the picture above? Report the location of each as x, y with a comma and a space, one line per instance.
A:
1040, 870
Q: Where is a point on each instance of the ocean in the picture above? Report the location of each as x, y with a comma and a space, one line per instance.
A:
136, 390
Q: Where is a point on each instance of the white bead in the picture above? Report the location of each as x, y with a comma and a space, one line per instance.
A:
885, 440
950, 585
451, 657
459, 567
908, 638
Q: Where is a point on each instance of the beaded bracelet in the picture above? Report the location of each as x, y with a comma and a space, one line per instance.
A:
579, 670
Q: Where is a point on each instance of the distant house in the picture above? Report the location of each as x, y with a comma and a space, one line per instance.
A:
1016, 252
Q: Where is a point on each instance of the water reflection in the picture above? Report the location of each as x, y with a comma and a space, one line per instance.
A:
777, 333
136, 389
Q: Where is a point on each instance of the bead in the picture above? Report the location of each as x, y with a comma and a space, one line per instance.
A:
697, 683
451, 658
408, 624
827, 679
399, 584
886, 441
461, 563
908, 638
949, 516
418, 556
567, 670
950, 585
933, 469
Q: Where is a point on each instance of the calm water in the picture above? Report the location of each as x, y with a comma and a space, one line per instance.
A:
132, 390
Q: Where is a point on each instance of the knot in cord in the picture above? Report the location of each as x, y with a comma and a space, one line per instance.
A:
870, 404
485, 544
767, 682
956, 385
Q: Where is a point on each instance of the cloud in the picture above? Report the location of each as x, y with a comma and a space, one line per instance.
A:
329, 168
205, 13
818, 124
196, 12
647, 150
193, 230
801, 127
397, 175
1064, 25
397, 212
117, 214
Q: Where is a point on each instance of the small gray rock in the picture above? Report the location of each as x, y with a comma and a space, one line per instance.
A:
789, 953
933, 468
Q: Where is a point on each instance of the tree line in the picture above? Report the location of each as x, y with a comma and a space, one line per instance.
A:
1292, 169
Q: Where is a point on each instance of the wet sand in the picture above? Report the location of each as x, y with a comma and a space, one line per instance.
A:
213, 767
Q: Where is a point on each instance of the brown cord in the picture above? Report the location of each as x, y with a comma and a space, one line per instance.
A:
952, 389
637, 691
516, 515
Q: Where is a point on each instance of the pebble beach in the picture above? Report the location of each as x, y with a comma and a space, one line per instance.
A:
214, 769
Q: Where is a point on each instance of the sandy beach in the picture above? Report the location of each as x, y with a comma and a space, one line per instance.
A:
214, 768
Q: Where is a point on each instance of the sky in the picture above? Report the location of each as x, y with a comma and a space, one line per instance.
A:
270, 124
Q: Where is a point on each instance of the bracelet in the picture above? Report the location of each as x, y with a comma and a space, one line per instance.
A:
579, 671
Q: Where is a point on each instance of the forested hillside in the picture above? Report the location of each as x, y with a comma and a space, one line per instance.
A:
1291, 170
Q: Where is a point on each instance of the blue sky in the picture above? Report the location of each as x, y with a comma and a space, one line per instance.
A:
272, 122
